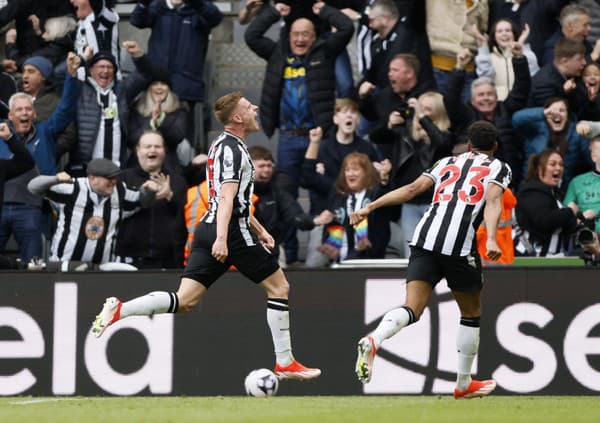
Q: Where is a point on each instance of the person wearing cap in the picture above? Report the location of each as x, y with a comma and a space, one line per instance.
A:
91, 209
159, 109
22, 212
103, 107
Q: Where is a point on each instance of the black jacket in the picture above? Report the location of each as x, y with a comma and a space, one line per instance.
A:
403, 38
548, 83
157, 231
409, 157
538, 213
319, 63
19, 163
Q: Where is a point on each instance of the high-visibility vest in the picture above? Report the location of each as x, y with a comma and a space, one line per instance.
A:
195, 206
503, 235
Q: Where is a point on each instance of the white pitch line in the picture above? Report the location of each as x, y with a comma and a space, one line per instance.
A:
38, 401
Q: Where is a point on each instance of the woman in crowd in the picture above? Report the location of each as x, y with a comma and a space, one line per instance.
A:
545, 222
553, 127
415, 148
590, 78
357, 184
158, 109
494, 57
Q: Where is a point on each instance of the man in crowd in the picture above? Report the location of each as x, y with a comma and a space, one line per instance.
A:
22, 211
90, 210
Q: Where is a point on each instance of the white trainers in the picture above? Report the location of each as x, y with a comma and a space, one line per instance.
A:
364, 361
110, 313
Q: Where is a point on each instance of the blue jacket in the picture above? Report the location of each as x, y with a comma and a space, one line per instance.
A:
179, 41
41, 139
531, 124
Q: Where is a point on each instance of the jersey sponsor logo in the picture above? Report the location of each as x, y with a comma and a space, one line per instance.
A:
290, 72
94, 228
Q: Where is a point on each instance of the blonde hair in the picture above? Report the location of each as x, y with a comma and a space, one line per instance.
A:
145, 103
438, 116
59, 26
225, 105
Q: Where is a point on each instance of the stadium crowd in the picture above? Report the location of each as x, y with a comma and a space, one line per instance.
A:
118, 179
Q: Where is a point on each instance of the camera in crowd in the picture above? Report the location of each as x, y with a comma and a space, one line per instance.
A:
406, 111
585, 237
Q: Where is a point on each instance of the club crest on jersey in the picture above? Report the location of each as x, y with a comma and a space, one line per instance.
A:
94, 228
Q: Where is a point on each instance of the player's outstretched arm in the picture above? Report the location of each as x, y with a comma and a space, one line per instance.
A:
491, 217
224, 210
395, 197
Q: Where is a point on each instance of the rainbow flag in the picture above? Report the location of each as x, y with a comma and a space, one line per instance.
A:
335, 235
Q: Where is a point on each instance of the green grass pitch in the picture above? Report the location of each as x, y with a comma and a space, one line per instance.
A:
505, 409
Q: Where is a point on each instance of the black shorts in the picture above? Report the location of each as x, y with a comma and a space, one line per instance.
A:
462, 273
253, 261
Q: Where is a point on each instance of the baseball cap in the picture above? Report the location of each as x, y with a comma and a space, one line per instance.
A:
103, 167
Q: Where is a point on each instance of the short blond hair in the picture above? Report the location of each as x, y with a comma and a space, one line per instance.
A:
225, 105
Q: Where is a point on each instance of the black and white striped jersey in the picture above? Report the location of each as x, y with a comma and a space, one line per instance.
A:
229, 161
456, 210
88, 223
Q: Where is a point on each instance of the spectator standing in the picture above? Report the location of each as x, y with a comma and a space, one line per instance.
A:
540, 15
97, 28
357, 185
395, 34
179, 43
494, 58
298, 92
558, 78
275, 208
37, 81
404, 83
574, 25
449, 26
484, 105
590, 79
299, 86
103, 107
323, 163
90, 210
546, 223
20, 162
57, 42
22, 211
26, 15
583, 194
553, 127
154, 237
158, 109
415, 147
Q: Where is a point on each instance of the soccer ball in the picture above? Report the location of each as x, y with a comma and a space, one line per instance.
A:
261, 383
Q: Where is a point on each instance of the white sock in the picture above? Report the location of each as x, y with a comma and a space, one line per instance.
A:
467, 343
149, 304
278, 317
392, 322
